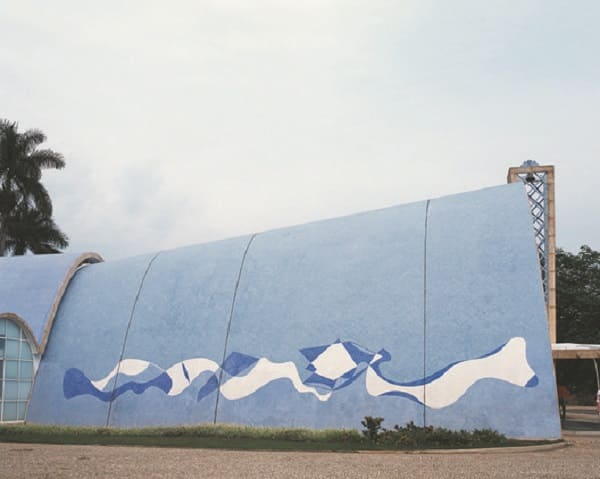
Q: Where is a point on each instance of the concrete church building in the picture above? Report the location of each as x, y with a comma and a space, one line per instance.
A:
431, 312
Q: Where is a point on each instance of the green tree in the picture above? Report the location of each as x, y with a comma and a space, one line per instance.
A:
578, 296
578, 314
25, 205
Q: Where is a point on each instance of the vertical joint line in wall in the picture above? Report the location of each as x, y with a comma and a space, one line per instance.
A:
231, 311
135, 301
425, 314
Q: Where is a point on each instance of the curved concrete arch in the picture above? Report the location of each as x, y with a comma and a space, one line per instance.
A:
32, 287
81, 260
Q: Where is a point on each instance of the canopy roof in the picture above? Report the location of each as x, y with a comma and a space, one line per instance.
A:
575, 351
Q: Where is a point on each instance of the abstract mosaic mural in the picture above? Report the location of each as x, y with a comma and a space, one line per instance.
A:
333, 367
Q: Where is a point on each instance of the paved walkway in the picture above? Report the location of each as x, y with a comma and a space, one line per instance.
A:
581, 460
581, 420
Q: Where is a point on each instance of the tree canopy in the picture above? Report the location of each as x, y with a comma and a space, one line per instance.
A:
26, 222
578, 296
578, 313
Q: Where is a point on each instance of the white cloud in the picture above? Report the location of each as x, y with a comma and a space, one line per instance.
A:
192, 121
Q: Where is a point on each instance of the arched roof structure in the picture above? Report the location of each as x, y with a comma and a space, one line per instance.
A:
429, 312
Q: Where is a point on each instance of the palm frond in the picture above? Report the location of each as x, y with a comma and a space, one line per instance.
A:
37, 196
26, 209
6, 125
30, 229
43, 159
29, 140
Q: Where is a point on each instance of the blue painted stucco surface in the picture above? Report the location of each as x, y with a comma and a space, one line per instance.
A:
88, 333
310, 285
182, 313
483, 287
29, 284
377, 279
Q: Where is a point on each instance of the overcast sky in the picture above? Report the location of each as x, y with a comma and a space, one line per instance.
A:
185, 122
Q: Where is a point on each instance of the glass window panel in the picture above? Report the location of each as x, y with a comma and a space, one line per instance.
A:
11, 369
10, 411
10, 391
26, 351
16, 371
12, 330
12, 349
24, 388
26, 370
21, 410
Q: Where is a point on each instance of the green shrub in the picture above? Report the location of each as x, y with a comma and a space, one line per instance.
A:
372, 427
412, 436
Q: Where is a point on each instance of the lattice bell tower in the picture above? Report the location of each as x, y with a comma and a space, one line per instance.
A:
539, 185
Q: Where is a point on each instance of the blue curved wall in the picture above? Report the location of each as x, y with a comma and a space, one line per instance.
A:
30, 284
431, 312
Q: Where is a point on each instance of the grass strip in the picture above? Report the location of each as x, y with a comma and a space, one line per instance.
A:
223, 436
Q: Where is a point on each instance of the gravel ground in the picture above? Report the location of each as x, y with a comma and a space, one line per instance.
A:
580, 460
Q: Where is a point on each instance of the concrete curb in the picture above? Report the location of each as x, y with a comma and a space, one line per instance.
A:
483, 450
581, 433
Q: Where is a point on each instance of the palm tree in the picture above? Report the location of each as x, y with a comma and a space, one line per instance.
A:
25, 206
32, 230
